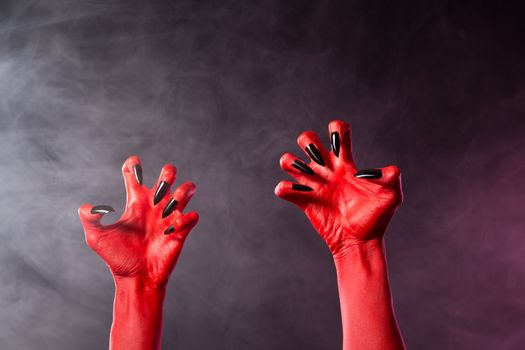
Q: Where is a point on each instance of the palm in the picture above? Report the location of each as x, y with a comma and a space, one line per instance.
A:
350, 209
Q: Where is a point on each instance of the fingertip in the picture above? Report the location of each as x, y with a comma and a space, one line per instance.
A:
306, 137
168, 173
391, 174
192, 188
187, 221
84, 212
285, 159
338, 125
133, 160
280, 189
82, 209
394, 170
193, 217
183, 194
341, 127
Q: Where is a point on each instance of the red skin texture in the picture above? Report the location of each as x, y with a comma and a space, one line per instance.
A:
351, 215
140, 256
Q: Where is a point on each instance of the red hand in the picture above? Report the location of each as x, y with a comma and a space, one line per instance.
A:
136, 245
141, 250
344, 209
350, 209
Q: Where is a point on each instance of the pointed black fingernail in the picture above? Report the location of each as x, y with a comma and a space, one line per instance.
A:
161, 191
299, 187
369, 174
102, 209
138, 173
336, 143
297, 164
314, 153
170, 207
169, 230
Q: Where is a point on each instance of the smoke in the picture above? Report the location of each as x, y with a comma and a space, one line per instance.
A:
221, 90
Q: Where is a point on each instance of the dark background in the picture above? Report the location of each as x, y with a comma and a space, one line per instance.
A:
221, 89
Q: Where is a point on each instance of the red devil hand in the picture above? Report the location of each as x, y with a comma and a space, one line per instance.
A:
350, 209
146, 242
346, 206
141, 250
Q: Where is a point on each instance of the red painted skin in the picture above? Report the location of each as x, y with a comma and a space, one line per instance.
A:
140, 256
351, 214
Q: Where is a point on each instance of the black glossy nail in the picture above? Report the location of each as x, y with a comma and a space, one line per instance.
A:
161, 191
336, 143
369, 174
170, 207
299, 187
169, 230
314, 153
138, 173
297, 164
102, 209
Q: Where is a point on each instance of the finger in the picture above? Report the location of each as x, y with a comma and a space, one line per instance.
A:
311, 144
90, 217
170, 207
388, 176
298, 169
369, 174
166, 179
132, 172
187, 221
180, 198
184, 193
341, 140
298, 194
183, 224
391, 176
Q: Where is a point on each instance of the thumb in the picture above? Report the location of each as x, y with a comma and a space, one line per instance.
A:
90, 217
391, 176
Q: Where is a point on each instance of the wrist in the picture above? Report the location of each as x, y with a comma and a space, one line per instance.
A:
139, 287
357, 253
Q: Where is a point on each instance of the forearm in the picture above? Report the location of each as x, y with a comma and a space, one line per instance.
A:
137, 316
366, 304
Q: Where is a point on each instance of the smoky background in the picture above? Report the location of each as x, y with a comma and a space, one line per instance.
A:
221, 89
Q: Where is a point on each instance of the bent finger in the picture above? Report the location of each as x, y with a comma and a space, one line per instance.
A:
183, 225
299, 170
90, 217
389, 176
184, 193
341, 141
300, 195
164, 183
132, 173
313, 147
